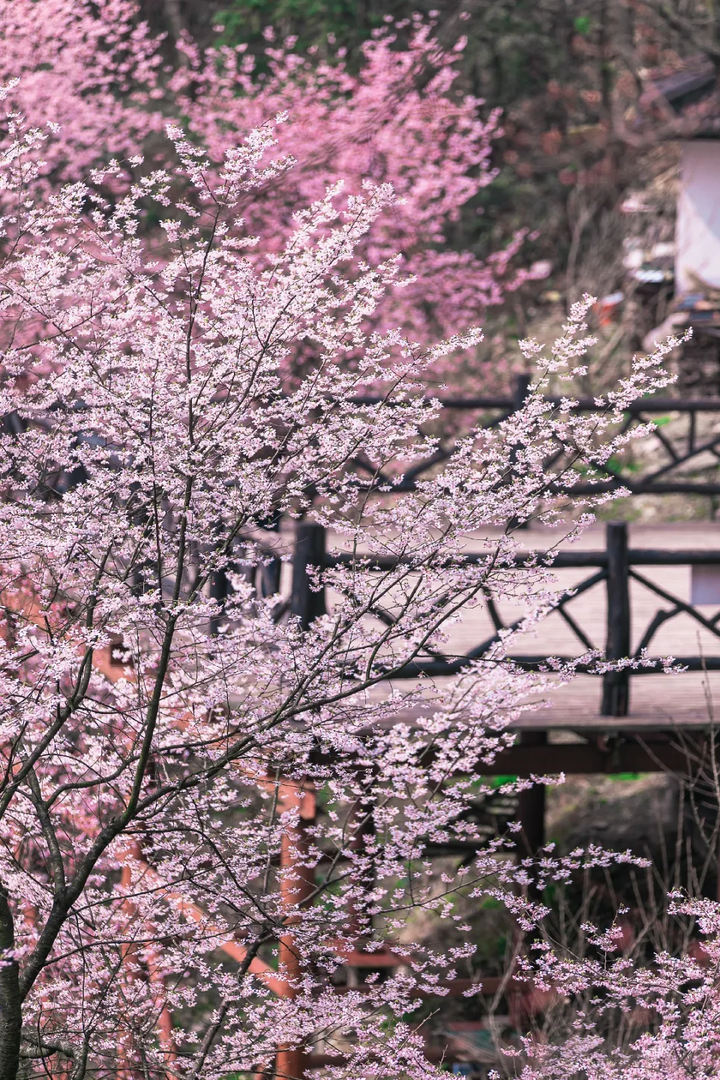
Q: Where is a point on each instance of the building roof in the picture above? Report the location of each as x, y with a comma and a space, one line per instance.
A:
687, 87
693, 94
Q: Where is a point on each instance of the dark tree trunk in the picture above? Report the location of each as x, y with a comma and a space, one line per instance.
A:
10, 1007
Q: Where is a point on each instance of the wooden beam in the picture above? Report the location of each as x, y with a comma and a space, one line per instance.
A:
583, 758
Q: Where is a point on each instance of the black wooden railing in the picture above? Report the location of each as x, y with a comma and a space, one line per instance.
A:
676, 454
616, 566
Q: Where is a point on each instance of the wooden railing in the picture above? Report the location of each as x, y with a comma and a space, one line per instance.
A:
673, 454
616, 566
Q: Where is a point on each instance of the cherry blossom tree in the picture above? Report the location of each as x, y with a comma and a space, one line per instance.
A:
90, 68
401, 119
97, 71
206, 800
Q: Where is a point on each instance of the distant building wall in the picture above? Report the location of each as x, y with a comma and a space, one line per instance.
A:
698, 219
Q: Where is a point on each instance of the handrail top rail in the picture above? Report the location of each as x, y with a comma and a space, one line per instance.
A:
559, 560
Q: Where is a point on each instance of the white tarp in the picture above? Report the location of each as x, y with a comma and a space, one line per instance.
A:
698, 220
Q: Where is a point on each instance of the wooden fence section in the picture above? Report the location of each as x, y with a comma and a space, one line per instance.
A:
616, 567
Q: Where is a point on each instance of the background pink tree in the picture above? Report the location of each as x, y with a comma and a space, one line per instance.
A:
402, 117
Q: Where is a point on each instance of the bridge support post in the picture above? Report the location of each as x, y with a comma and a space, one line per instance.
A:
297, 884
616, 684
297, 879
531, 803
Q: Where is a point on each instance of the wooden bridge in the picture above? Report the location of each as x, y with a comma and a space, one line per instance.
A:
652, 589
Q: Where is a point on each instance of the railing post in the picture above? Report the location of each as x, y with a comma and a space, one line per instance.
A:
306, 602
220, 589
616, 684
520, 395
521, 391
270, 568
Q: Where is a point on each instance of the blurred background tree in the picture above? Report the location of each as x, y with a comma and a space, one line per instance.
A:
573, 79
568, 75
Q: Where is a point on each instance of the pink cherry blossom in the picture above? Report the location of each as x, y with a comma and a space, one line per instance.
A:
98, 75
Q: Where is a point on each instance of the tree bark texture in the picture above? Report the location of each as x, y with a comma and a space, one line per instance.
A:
10, 1005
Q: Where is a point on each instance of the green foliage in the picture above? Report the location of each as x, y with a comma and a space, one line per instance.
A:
618, 467
323, 25
489, 903
498, 781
